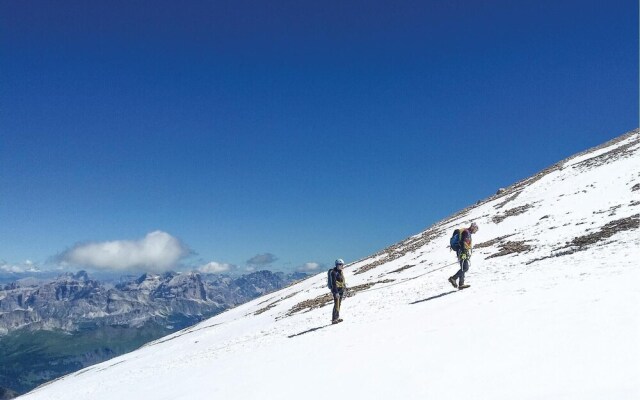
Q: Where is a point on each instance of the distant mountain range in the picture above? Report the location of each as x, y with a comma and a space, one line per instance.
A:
37, 318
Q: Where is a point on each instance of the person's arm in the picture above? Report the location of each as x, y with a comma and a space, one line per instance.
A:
334, 281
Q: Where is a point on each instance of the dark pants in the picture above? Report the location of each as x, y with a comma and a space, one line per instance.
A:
337, 300
464, 267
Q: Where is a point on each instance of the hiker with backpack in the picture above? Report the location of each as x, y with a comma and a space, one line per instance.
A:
461, 243
337, 285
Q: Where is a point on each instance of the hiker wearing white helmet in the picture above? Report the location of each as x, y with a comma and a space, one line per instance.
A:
338, 286
461, 243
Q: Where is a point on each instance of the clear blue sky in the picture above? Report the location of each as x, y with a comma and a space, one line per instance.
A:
299, 131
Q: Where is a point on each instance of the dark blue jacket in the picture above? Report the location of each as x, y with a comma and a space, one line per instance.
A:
337, 281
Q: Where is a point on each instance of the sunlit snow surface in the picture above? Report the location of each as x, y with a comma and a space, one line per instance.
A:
564, 327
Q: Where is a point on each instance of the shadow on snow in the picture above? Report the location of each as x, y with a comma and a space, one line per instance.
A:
308, 331
434, 297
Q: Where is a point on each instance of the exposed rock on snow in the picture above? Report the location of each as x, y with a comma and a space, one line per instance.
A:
510, 248
610, 229
510, 213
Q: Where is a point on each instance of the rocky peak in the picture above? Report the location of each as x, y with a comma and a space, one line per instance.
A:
71, 298
187, 285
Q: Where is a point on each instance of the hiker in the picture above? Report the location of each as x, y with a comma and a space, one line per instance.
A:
338, 287
461, 243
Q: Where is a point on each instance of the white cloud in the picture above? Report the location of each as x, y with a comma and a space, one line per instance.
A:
156, 252
26, 267
310, 267
216, 268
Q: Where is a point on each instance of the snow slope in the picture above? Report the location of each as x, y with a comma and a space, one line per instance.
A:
551, 314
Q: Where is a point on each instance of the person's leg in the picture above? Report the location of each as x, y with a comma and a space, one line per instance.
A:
336, 306
464, 267
460, 272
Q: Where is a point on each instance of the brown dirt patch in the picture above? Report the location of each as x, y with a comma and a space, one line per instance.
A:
401, 249
401, 269
510, 213
275, 303
491, 242
509, 199
510, 248
581, 243
610, 229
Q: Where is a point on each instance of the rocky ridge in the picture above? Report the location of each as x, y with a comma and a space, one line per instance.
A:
75, 301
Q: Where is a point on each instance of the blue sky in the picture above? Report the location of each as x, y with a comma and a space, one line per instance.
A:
246, 134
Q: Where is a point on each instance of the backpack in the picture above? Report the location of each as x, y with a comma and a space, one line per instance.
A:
329, 282
454, 242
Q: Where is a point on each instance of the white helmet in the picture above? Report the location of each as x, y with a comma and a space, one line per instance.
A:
339, 261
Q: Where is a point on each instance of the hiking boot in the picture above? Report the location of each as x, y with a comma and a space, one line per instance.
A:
463, 286
453, 282
335, 321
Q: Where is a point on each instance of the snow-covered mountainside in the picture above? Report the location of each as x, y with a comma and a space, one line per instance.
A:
551, 313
